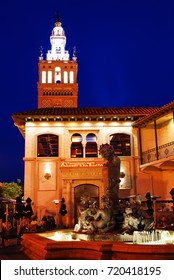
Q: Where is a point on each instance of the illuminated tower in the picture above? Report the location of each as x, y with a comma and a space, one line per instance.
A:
57, 85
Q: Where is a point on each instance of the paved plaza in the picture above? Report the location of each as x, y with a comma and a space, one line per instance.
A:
12, 250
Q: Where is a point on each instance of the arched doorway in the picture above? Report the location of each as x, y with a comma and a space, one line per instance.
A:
88, 190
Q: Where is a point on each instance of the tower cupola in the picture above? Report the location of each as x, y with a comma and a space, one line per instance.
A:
58, 43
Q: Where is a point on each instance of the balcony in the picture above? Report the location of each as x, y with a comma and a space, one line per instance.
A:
162, 152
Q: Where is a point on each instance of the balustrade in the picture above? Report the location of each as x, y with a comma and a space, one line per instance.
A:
163, 151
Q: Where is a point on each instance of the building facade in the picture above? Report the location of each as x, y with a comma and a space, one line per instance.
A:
62, 141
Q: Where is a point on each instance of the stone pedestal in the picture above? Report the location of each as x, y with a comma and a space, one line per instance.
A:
111, 174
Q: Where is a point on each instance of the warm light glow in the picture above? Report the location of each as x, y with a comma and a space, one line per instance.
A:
56, 201
85, 123
77, 227
59, 236
166, 237
122, 179
73, 123
128, 123
84, 164
47, 173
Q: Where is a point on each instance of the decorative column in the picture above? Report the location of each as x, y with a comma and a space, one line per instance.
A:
84, 150
69, 204
84, 147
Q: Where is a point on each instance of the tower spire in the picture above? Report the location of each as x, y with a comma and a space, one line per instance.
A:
58, 42
57, 16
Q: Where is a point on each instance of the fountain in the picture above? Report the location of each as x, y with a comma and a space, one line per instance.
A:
61, 245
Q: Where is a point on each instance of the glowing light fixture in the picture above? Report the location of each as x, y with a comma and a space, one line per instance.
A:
47, 176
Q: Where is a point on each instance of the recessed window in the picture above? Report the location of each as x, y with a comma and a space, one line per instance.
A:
49, 77
57, 75
91, 146
47, 145
43, 77
65, 77
71, 77
76, 146
121, 144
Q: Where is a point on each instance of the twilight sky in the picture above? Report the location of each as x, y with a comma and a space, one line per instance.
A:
125, 51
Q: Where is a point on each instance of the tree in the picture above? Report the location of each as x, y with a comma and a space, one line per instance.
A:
11, 190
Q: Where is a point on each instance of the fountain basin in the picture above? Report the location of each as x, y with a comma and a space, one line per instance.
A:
40, 246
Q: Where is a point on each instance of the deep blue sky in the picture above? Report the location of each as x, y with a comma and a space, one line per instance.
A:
125, 51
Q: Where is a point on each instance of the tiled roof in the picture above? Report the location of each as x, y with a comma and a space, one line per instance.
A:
167, 108
93, 111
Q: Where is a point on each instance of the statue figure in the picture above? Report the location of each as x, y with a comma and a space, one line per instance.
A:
95, 220
104, 221
131, 222
136, 218
87, 210
84, 220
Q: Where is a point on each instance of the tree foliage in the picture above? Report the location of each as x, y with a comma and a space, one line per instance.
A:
11, 190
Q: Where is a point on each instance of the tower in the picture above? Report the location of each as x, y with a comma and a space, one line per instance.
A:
57, 85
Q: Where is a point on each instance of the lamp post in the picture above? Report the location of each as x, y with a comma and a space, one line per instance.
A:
56, 201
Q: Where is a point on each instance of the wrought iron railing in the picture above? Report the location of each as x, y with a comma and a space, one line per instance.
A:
161, 152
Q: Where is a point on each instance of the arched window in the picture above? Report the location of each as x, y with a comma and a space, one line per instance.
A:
121, 144
57, 75
43, 77
76, 146
91, 146
49, 77
47, 145
71, 77
65, 77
